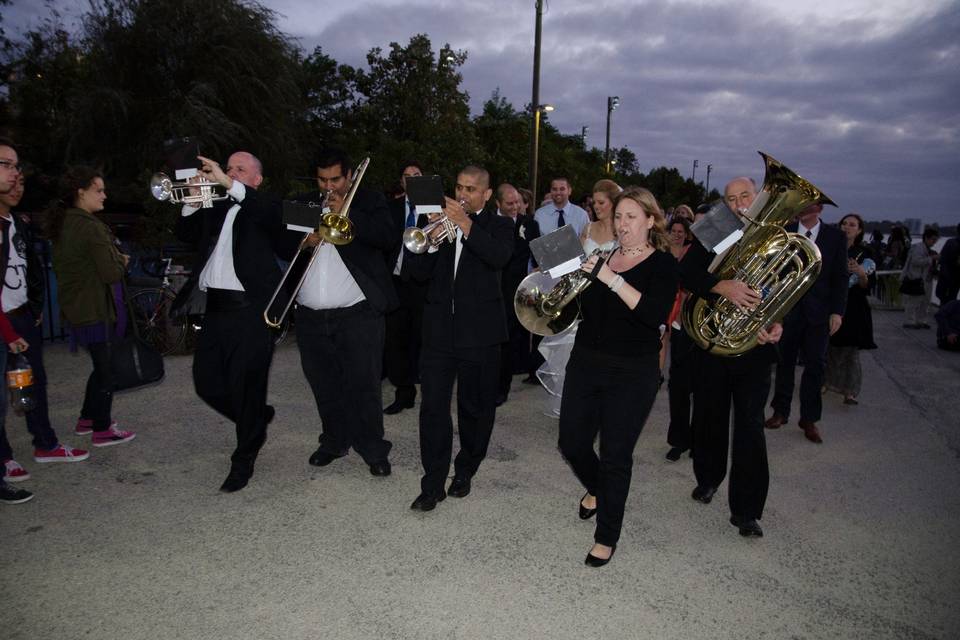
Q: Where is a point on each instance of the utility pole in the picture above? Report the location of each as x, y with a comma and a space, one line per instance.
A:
693, 176
706, 192
583, 135
535, 105
612, 103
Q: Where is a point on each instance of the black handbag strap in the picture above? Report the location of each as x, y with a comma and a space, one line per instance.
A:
131, 319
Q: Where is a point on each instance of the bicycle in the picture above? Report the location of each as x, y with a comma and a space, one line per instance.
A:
151, 311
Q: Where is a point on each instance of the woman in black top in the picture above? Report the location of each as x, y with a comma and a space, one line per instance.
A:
612, 376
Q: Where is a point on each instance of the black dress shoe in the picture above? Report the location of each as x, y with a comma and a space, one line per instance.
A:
268, 413
427, 501
593, 561
237, 479
674, 454
381, 468
585, 513
749, 527
402, 400
703, 493
501, 399
321, 458
459, 487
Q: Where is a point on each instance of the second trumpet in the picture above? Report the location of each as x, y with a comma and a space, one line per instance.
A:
418, 240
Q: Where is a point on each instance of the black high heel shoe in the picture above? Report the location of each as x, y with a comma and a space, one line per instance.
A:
593, 561
585, 513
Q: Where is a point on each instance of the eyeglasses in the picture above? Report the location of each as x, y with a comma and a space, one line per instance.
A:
7, 164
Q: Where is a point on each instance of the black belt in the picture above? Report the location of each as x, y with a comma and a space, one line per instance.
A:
227, 300
22, 310
339, 312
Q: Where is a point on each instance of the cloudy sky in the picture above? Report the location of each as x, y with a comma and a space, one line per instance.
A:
862, 97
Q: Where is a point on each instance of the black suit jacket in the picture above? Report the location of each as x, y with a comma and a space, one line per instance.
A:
466, 311
256, 231
375, 237
828, 295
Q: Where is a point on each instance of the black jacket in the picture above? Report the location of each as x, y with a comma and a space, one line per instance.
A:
256, 232
35, 281
375, 237
828, 294
466, 311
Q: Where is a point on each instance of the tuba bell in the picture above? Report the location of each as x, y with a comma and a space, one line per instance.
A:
542, 303
778, 265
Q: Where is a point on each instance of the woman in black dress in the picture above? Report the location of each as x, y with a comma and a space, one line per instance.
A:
612, 376
843, 356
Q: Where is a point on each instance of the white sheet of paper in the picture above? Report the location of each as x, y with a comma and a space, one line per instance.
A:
563, 269
428, 208
184, 174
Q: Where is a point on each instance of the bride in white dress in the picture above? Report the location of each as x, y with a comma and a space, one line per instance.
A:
599, 234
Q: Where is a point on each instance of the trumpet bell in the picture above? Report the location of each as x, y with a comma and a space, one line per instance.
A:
161, 187
541, 302
416, 240
336, 229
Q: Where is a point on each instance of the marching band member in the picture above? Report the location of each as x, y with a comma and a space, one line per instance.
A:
238, 270
340, 321
463, 328
613, 374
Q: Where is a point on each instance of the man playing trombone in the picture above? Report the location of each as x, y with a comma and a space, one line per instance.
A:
238, 270
463, 328
340, 320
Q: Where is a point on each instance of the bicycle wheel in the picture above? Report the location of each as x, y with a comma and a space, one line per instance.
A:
151, 312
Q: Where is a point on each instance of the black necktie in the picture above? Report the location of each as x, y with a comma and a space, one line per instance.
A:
412, 216
560, 221
809, 233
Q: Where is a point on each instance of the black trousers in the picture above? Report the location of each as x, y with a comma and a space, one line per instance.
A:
476, 371
684, 359
515, 353
614, 402
341, 355
231, 367
743, 382
98, 396
800, 336
403, 327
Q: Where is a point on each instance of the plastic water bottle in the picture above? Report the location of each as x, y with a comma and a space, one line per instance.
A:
20, 384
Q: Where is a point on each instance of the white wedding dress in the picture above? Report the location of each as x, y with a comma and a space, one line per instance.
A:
556, 350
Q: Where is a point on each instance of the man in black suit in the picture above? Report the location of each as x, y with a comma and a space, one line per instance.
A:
403, 324
742, 382
809, 325
340, 321
463, 328
238, 270
515, 356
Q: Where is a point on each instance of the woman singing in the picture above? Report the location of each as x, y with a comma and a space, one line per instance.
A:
612, 376
89, 271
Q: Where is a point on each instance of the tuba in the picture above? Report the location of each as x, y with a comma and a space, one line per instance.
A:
778, 265
542, 303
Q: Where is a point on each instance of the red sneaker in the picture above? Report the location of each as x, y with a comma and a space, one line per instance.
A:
112, 436
60, 453
85, 427
13, 472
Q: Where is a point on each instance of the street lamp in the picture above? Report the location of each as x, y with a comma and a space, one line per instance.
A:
535, 151
612, 103
706, 192
583, 135
535, 102
693, 176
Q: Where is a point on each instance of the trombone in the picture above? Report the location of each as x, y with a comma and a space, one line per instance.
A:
166, 190
335, 229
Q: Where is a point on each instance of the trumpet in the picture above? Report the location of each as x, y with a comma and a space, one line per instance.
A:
335, 229
417, 240
166, 190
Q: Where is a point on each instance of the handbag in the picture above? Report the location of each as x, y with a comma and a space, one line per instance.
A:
912, 287
134, 362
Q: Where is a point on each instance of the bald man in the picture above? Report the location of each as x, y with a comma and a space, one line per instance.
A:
742, 382
237, 269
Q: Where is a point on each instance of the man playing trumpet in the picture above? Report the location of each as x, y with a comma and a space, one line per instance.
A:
463, 328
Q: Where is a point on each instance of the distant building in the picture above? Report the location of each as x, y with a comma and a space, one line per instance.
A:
913, 225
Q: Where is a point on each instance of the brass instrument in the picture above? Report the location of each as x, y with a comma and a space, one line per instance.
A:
542, 303
178, 192
334, 228
778, 265
418, 240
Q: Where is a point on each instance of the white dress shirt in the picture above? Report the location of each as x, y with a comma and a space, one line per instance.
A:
219, 272
329, 284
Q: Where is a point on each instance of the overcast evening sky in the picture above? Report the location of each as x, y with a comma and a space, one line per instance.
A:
862, 97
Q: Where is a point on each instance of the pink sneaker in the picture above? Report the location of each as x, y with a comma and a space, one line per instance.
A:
112, 436
60, 453
13, 472
85, 427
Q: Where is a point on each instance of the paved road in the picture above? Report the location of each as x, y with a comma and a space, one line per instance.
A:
861, 532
